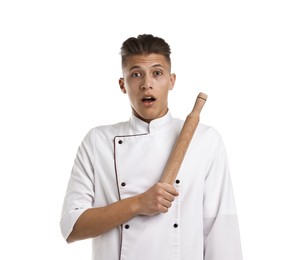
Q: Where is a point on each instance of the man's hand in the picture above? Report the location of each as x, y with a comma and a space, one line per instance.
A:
157, 199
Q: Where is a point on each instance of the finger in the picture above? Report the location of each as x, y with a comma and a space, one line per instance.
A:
170, 189
166, 203
168, 196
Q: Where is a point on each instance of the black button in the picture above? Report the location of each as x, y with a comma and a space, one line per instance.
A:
175, 225
123, 184
120, 142
177, 181
127, 226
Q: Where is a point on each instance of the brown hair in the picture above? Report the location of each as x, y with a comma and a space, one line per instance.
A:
145, 44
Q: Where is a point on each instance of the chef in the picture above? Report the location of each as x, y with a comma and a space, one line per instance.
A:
114, 195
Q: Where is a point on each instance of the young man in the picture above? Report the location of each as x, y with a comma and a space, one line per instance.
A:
114, 195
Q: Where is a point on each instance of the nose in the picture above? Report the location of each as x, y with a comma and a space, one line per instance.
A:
146, 83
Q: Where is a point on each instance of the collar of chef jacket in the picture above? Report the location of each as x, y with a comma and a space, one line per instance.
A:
139, 126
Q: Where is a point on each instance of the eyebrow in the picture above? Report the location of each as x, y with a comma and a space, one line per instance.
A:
138, 67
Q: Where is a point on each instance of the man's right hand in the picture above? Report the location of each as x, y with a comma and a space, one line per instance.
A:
157, 199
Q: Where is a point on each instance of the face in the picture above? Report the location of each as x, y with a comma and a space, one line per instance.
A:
147, 81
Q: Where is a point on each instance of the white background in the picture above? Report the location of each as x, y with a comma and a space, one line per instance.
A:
59, 70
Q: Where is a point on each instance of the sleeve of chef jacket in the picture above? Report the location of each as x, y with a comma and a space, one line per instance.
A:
221, 230
80, 190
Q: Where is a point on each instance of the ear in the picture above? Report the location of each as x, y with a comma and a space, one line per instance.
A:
122, 86
172, 81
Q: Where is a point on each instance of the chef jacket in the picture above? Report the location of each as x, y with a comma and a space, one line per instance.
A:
122, 160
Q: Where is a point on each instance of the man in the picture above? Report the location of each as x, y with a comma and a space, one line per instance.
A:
114, 195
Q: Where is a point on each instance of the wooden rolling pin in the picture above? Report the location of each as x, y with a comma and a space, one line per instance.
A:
182, 143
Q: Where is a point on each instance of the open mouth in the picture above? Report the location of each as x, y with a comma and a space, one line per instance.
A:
148, 99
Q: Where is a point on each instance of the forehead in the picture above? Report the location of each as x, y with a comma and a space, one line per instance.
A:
146, 61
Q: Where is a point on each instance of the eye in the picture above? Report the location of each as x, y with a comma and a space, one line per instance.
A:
136, 75
158, 73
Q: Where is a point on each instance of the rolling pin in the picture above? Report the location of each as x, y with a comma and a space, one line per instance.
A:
182, 143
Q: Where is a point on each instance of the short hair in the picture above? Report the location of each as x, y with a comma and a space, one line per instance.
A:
145, 44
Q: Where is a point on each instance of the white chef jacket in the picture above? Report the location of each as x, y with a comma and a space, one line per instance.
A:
118, 161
